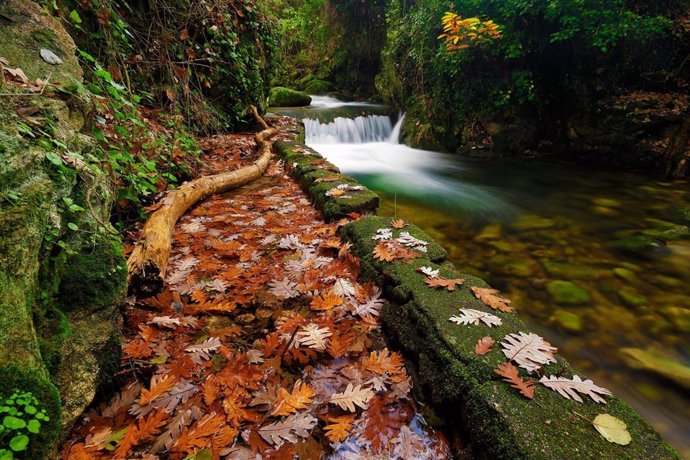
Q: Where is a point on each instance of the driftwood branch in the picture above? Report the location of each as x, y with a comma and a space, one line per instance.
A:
149, 260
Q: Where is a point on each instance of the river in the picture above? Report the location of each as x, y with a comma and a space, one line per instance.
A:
596, 261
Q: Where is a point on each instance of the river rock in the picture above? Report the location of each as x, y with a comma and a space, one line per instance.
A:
675, 232
573, 271
626, 275
667, 281
502, 246
318, 87
604, 211
641, 245
658, 362
489, 233
511, 266
631, 298
606, 202
532, 222
680, 317
565, 292
570, 322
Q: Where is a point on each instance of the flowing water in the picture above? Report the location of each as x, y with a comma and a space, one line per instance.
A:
595, 261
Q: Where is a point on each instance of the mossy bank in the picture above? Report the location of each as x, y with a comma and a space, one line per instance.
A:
62, 271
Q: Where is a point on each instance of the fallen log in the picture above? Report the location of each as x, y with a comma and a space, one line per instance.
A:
149, 260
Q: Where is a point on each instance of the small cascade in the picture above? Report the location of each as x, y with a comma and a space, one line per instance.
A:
394, 138
360, 130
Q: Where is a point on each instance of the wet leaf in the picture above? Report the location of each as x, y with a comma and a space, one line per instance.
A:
612, 429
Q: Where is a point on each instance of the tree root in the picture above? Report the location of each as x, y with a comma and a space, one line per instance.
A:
149, 260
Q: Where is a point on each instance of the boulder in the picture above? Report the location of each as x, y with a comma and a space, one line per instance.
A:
286, 97
318, 87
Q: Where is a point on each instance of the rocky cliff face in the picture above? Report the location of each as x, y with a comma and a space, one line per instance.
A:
62, 271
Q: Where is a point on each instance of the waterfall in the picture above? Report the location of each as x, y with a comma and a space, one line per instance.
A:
360, 130
394, 138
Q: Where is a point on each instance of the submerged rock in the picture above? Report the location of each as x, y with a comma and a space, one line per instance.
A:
680, 317
631, 297
606, 202
533, 222
286, 97
643, 246
675, 232
657, 362
490, 232
510, 265
626, 275
573, 271
570, 322
565, 292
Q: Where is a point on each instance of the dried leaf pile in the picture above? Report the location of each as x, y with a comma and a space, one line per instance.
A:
264, 345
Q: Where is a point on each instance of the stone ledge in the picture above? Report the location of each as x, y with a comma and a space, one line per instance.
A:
496, 422
306, 166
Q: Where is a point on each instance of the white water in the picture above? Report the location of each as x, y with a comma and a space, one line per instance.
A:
328, 102
370, 146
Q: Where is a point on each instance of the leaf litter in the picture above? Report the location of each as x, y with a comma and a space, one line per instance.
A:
263, 343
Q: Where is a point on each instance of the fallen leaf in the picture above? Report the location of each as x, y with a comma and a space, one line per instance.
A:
511, 376
399, 224
469, 316
528, 350
339, 428
444, 283
612, 429
351, 397
484, 345
569, 388
287, 403
490, 298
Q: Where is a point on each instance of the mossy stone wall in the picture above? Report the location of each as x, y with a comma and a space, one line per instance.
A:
495, 421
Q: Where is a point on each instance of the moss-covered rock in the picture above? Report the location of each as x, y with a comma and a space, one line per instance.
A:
463, 387
318, 87
26, 29
95, 279
286, 97
307, 167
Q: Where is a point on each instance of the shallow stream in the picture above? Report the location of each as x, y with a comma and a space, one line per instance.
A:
598, 262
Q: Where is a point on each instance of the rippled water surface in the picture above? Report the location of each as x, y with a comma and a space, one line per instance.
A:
597, 262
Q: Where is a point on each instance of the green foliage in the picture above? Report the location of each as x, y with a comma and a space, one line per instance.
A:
208, 59
22, 419
549, 52
336, 41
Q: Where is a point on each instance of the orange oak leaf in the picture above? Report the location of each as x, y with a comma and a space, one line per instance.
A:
388, 251
484, 345
444, 283
491, 299
399, 224
327, 301
159, 386
383, 362
288, 403
339, 428
510, 375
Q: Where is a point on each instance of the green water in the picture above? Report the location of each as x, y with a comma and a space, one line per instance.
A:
597, 262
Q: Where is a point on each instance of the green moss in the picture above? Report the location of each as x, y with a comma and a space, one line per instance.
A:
286, 97
97, 278
318, 87
551, 429
15, 376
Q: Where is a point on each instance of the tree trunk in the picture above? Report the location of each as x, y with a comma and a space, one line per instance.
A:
677, 155
149, 260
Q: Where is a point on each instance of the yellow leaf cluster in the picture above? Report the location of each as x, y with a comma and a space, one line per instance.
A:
463, 33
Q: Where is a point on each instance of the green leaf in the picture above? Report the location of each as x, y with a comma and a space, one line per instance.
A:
72, 226
13, 423
19, 443
54, 158
74, 16
34, 426
6, 455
